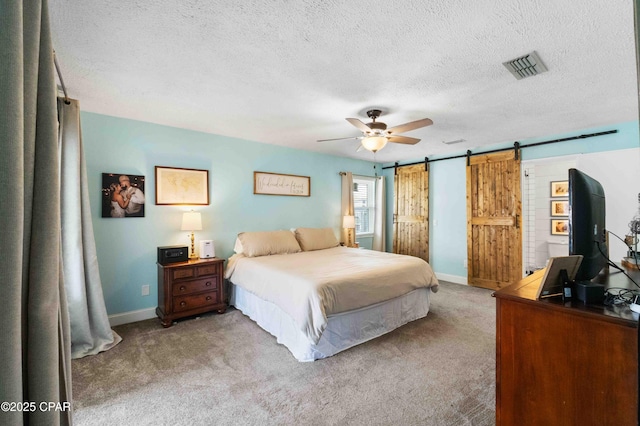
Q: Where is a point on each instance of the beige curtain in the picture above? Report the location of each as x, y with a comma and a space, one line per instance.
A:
90, 329
34, 327
379, 219
349, 238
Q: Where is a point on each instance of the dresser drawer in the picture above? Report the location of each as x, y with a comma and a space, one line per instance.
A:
184, 303
195, 286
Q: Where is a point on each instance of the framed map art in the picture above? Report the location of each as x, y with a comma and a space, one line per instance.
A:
177, 186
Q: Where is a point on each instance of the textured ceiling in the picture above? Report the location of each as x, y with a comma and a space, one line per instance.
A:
289, 72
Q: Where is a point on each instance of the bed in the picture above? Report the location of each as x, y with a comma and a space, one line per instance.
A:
319, 298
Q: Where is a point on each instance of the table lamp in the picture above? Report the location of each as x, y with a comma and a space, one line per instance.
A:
191, 221
349, 222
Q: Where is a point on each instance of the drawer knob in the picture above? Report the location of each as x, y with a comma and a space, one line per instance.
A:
183, 303
182, 288
208, 297
208, 283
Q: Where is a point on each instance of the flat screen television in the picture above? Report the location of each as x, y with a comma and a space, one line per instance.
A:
587, 234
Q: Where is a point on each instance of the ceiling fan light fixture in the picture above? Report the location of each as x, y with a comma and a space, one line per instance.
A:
374, 143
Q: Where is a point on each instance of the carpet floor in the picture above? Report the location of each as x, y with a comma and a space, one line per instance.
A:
225, 370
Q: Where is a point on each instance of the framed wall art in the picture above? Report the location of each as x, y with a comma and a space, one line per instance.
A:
559, 207
178, 186
560, 188
559, 226
280, 184
122, 195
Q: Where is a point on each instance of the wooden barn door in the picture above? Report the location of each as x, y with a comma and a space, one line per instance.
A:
411, 211
494, 236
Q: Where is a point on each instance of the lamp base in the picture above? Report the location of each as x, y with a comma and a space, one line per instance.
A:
193, 255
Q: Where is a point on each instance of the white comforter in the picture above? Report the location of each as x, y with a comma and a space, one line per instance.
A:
312, 285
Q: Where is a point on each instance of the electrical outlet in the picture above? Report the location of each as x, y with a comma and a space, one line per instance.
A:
145, 290
464, 264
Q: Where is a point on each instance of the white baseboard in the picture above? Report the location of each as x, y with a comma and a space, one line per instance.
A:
132, 316
456, 279
148, 313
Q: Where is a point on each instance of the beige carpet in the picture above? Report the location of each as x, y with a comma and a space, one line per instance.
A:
224, 369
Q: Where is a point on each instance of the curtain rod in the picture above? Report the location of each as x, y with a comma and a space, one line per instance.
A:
354, 174
64, 88
469, 153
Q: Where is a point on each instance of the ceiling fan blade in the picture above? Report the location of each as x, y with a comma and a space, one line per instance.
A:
410, 126
403, 139
359, 124
339, 139
360, 148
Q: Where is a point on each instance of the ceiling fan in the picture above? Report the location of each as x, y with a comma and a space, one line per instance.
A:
375, 135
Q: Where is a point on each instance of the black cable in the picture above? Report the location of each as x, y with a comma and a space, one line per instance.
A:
624, 296
635, 257
625, 243
609, 262
614, 265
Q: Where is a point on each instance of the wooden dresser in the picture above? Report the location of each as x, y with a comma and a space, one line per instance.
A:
565, 364
190, 288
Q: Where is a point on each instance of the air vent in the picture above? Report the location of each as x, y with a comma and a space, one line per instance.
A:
454, 142
525, 66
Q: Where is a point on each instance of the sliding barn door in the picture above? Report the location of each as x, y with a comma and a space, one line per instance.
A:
411, 211
494, 236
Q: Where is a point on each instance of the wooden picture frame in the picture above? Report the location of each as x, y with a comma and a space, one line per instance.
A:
266, 183
179, 186
559, 188
551, 284
559, 226
559, 208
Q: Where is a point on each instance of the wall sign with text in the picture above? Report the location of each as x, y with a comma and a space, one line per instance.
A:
280, 184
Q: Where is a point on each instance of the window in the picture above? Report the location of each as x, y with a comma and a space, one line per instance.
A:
364, 201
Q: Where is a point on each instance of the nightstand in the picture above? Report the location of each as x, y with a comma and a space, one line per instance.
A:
190, 288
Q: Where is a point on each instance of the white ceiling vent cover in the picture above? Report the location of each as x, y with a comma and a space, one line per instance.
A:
525, 66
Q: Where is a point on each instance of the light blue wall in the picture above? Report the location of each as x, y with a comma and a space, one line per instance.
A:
447, 190
127, 247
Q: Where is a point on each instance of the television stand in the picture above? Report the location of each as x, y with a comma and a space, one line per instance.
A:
565, 363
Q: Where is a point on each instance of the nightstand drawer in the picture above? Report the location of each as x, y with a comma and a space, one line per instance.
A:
195, 286
206, 270
182, 273
184, 303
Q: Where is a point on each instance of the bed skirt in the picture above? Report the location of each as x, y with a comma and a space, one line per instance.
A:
343, 331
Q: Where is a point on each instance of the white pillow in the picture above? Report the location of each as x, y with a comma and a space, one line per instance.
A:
316, 238
237, 248
268, 242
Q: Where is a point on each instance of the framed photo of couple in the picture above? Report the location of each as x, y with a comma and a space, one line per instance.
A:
122, 195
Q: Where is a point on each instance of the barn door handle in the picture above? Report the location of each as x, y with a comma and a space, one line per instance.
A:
517, 221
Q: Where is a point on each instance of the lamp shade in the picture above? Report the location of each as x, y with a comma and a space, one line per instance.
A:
374, 143
191, 221
349, 222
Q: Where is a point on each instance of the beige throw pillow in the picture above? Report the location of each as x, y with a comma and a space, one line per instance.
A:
268, 242
316, 238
